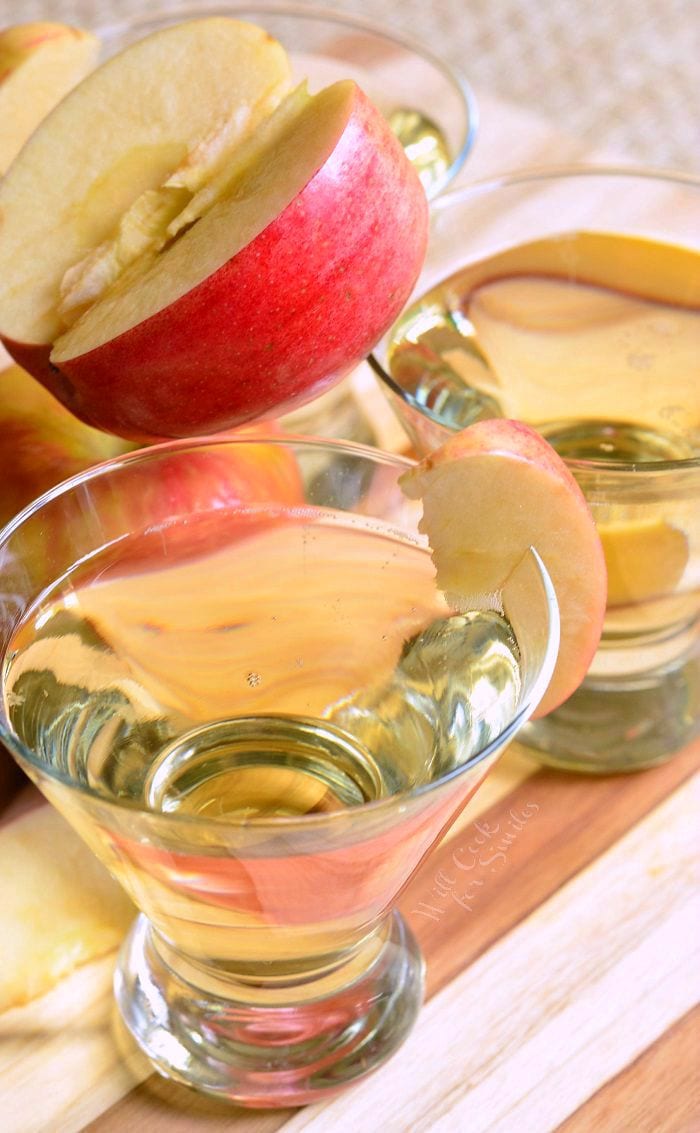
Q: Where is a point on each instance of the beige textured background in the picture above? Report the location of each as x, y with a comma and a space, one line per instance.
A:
617, 74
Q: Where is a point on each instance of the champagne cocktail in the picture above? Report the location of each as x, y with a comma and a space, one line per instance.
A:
571, 300
228, 664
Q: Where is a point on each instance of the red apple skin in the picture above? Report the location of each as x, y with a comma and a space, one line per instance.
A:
200, 500
210, 488
43, 444
284, 319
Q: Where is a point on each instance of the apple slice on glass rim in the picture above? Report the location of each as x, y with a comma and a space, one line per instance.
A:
185, 250
490, 493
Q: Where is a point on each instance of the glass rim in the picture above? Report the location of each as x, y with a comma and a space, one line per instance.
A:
531, 175
319, 13
277, 822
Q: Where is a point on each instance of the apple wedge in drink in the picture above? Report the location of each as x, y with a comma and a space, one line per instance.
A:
213, 261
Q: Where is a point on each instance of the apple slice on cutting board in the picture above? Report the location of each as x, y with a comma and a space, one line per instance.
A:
164, 276
488, 494
60, 907
39, 64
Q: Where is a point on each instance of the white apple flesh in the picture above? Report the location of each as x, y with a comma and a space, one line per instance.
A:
201, 303
39, 64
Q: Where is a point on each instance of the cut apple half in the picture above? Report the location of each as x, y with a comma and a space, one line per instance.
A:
212, 261
39, 64
488, 495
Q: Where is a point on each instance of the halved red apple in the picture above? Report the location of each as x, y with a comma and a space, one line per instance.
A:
163, 277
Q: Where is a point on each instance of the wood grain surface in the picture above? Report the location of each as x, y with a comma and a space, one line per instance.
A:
561, 928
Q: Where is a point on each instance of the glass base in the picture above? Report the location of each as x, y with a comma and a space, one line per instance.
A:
621, 723
279, 1053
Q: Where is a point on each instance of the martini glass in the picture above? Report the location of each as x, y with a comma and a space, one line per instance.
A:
227, 663
428, 103
570, 298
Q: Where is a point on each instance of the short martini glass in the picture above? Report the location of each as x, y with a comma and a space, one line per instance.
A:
570, 299
227, 663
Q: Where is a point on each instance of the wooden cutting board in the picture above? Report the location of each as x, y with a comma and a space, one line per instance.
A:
562, 994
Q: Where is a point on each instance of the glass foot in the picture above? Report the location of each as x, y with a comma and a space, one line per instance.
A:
292, 1048
621, 724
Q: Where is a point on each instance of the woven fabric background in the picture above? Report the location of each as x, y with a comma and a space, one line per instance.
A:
618, 74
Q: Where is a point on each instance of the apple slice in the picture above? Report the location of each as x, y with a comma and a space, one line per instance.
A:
60, 906
169, 281
39, 64
490, 493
